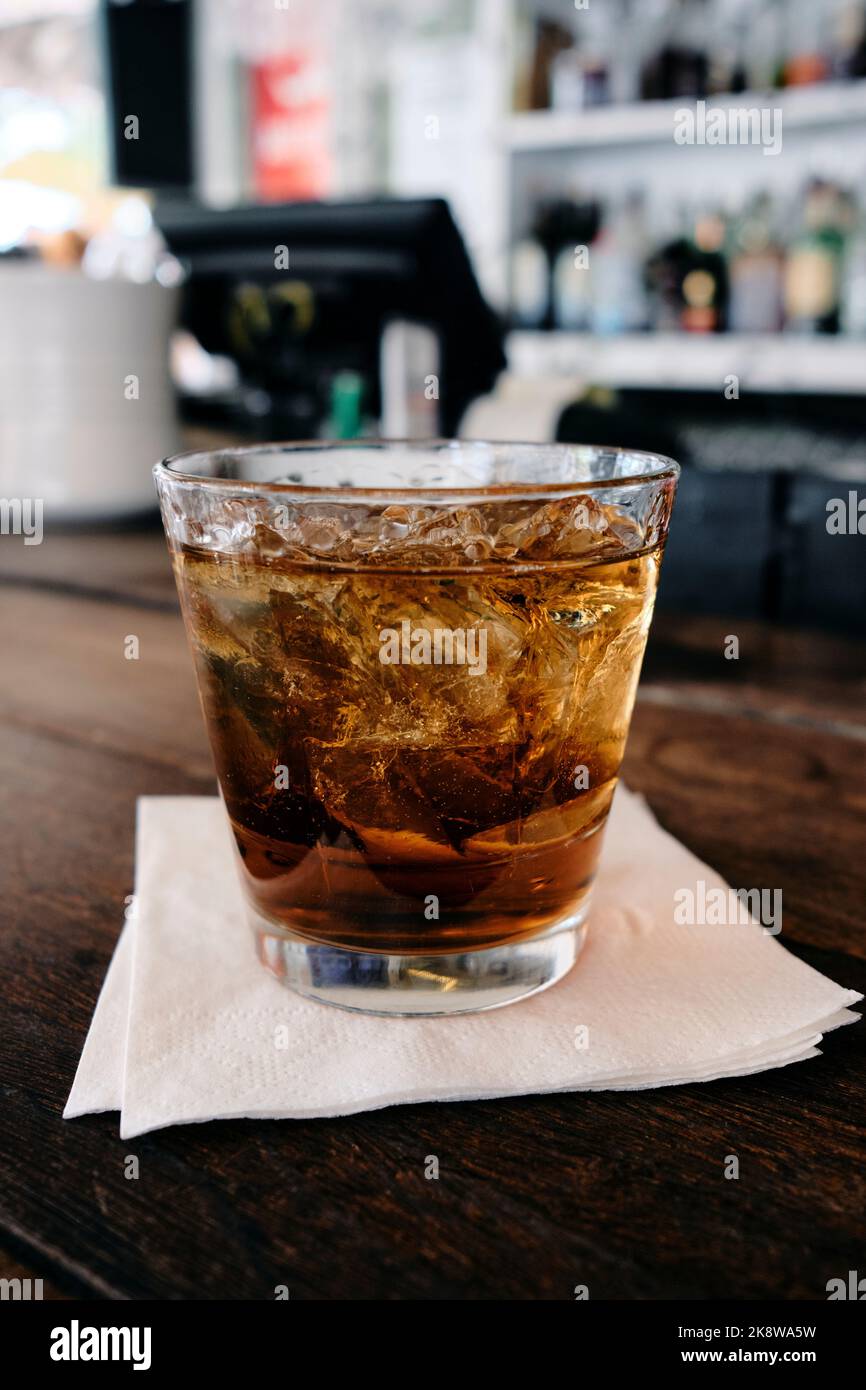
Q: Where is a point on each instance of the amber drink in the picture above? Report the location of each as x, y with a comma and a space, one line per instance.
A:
417, 665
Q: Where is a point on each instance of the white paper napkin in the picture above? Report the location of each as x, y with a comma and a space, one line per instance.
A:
189, 1026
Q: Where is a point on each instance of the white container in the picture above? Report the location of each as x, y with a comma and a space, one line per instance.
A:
87, 404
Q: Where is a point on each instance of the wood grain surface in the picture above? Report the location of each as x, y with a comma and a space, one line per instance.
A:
757, 765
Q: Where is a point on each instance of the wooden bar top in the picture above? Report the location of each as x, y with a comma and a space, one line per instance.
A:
758, 765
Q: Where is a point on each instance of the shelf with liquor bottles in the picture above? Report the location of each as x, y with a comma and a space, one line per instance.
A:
651, 282
630, 249
792, 264
613, 71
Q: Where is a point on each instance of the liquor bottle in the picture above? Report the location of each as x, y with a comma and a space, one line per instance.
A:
663, 267
565, 229
765, 42
849, 42
617, 291
680, 66
530, 284
551, 39
853, 294
727, 71
814, 266
688, 277
572, 288
705, 286
578, 78
806, 61
756, 270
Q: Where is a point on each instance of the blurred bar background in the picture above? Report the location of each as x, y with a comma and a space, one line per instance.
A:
223, 219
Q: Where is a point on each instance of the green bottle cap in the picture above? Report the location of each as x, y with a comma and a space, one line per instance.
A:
347, 393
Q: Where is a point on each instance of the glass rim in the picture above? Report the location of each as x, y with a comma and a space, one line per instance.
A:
660, 468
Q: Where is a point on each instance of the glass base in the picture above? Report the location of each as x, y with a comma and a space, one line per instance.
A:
412, 986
